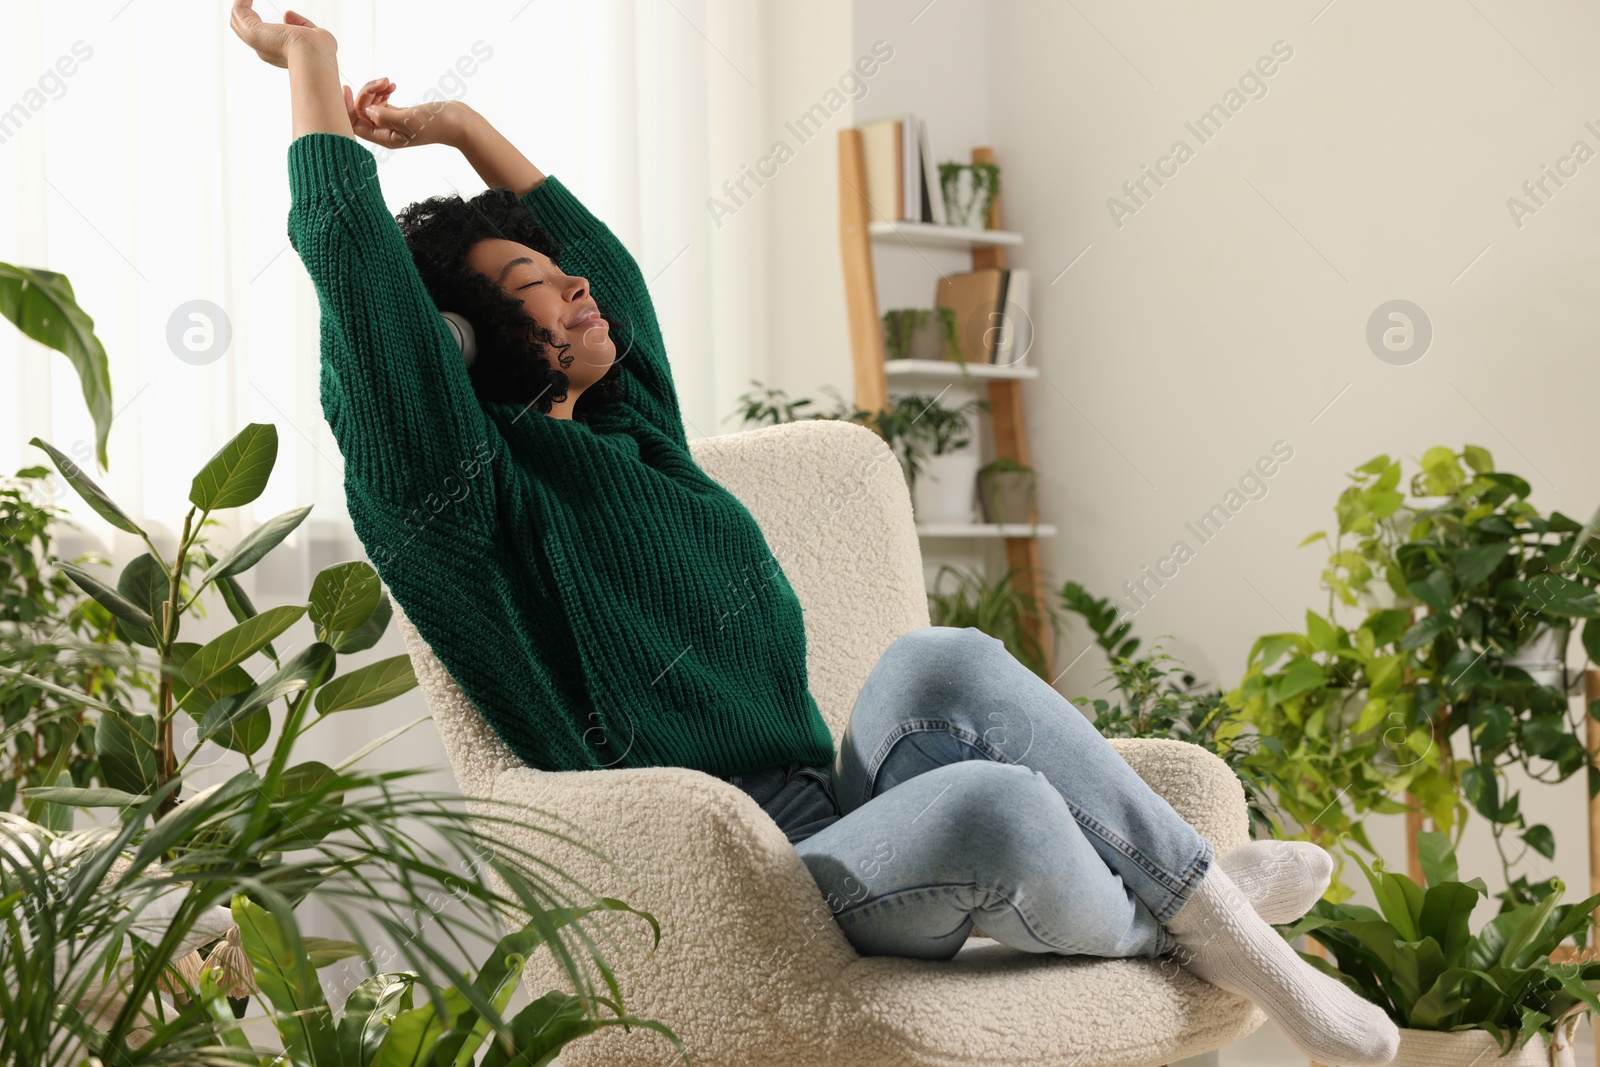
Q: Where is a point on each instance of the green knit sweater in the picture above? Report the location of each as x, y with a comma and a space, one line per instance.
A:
596, 594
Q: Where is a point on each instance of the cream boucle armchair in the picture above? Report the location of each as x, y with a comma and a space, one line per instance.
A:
751, 969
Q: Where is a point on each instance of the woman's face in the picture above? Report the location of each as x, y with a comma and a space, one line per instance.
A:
555, 300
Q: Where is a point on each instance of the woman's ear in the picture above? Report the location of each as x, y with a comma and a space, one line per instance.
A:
462, 329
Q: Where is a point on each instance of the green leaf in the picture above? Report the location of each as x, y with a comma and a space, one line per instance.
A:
1482, 790
255, 544
42, 305
289, 983
92, 494
366, 686
80, 797
108, 598
239, 603
363, 1026
1478, 459
1425, 630
1434, 590
344, 596
1475, 564
305, 669
1299, 676
368, 633
238, 472
1437, 858
1541, 840
145, 585
126, 745
1446, 909
237, 644
1532, 924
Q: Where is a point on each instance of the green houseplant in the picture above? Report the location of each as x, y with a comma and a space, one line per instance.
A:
1451, 584
969, 189
1459, 996
999, 608
94, 966
1154, 695
49, 629
921, 333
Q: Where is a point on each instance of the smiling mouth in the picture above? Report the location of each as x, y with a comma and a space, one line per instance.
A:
589, 320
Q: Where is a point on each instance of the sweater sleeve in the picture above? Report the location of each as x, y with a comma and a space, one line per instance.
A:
394, 386
589, 249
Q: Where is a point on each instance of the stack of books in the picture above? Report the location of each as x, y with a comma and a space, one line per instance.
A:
902, 183
991, 309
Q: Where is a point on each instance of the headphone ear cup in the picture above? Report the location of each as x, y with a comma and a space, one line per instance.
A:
465, 338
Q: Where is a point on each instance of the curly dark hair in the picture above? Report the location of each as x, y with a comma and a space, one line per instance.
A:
511, 366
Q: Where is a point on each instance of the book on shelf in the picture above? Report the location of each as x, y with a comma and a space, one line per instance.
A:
902, 182
991, 310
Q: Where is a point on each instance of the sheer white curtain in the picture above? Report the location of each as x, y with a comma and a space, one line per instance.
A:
145, 159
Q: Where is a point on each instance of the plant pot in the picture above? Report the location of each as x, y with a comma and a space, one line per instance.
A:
927, 340
945, 487
1543, 657
1476, 1048
966, 200
1009, 496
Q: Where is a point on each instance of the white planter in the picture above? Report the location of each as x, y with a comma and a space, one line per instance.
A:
1543, 657
1476, 1048
947, 486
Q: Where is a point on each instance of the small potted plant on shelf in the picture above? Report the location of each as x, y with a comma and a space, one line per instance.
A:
941, 464
969, 189
1459, 998
1008, 491
920, 333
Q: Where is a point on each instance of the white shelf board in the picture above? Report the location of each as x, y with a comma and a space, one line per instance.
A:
983, 529
949, 368
933, 236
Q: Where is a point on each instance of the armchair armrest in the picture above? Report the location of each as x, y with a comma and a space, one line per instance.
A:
1198, 785
740, 913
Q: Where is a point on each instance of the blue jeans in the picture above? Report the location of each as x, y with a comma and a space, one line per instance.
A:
966, 791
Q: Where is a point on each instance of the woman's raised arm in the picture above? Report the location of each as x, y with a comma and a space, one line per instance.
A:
417, 444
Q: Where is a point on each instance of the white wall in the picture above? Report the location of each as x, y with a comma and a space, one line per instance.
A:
1229, 312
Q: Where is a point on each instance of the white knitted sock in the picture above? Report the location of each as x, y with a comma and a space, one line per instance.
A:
1222, 940
1280, 879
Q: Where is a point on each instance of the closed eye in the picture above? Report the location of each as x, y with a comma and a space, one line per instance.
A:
522, 287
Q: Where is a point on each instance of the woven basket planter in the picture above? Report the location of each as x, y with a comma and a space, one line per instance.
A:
1477, 1048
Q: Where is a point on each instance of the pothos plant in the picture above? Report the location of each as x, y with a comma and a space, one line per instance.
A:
1452, 582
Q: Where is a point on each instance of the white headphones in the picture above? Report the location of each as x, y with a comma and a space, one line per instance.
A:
462, 329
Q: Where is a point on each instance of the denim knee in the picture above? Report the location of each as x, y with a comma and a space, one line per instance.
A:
940, 641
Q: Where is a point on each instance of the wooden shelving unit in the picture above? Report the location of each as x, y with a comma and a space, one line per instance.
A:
872, 370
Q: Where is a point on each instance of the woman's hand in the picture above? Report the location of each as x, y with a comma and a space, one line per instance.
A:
274, 41
374, 119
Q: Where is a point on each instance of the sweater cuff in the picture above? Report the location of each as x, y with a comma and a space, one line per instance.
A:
555, 208
332, 176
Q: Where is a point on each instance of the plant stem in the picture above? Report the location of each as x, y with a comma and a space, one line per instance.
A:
171, 608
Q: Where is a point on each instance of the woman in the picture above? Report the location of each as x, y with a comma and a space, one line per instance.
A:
605, 603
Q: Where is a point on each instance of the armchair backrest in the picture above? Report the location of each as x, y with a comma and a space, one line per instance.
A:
832, 502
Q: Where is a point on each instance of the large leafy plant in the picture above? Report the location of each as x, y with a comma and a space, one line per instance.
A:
1451, 584
90, 962
50, 630
1417, 957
